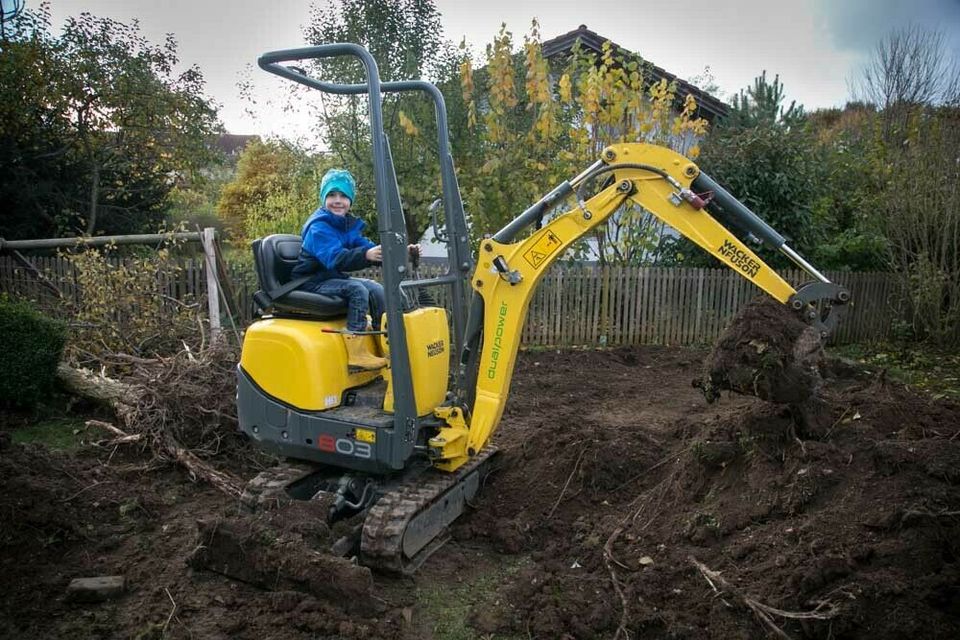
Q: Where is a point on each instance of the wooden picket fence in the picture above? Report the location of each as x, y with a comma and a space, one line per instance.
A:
575, 305
678, 306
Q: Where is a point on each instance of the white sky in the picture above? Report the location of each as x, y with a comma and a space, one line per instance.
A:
816, 46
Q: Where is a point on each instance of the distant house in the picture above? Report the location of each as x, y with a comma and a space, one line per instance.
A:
232, 144
708, 107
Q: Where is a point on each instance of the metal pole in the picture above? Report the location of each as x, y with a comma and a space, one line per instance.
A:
98, 241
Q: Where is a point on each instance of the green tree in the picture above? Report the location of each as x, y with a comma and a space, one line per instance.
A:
847, 231
36, 169
773, 171
273, 191
763, 156
762, 104
104, 103
405, 38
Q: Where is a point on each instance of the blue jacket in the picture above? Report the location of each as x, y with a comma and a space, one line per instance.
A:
331, 246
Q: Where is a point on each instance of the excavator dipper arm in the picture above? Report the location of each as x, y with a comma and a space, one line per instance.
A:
652, 177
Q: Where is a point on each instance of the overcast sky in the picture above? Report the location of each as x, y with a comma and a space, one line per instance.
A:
816, 46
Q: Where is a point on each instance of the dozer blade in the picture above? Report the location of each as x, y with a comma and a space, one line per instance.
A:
406, 525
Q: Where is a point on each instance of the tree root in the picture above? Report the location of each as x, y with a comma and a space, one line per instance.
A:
179, 409
763, 612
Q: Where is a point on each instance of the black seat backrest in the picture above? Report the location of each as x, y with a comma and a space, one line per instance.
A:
274, 258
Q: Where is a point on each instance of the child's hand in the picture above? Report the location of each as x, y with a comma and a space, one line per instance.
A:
374, 254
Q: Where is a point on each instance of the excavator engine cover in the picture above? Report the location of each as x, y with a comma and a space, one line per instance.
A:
298, 398
298, 363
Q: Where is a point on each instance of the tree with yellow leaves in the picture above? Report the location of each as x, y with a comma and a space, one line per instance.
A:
535, 124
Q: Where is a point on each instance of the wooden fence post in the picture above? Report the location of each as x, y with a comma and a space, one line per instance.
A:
213, 290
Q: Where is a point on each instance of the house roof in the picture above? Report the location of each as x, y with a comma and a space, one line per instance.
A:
232, 143
708, 106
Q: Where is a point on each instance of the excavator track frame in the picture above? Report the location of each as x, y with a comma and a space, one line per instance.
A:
404, 526
425, 505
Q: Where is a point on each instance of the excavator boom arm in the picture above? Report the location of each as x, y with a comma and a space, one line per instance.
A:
652, 177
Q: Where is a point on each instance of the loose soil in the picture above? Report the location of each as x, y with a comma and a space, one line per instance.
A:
615, 478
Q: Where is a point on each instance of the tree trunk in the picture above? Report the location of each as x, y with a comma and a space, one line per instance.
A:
120, 397
94, 197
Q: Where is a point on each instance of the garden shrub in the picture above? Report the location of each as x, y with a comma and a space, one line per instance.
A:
31, 345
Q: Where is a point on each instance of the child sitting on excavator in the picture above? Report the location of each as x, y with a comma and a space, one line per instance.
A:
333, 244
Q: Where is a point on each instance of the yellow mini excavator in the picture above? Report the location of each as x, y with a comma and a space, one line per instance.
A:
400, 451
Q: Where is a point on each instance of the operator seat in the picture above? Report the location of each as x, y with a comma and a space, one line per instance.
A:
274, 258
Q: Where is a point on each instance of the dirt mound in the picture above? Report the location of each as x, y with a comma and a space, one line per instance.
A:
766, 351
855, 533
105, 513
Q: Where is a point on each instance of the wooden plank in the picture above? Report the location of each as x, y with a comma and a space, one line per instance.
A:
596, 307
698, 318
630, 310
710, 306
616, 296
639, 337
545, 318
656, 315
672, 306
535, 315
630, 287
683, 306
586, 310
578, 332
683, 300
627, 313
567, 316
647, 309
658, 304
557, 309
630, 304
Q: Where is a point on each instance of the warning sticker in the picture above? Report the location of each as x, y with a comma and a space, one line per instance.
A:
366, 435
541, 249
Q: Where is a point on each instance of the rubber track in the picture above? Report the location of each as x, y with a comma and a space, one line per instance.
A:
267, 489
381, 543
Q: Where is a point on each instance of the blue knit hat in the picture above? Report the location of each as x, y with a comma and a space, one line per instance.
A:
337, 180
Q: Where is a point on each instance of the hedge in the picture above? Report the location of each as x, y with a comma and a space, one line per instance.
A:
31, 346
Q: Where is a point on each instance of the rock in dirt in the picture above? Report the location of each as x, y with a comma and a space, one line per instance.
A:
767, 352
95, 589
249, 550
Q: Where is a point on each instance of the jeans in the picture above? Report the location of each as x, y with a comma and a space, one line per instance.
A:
363, 296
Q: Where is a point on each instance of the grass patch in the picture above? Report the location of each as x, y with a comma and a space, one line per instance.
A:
932, 370
446, 608
63, 434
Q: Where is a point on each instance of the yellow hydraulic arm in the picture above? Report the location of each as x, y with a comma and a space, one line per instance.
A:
655, 178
